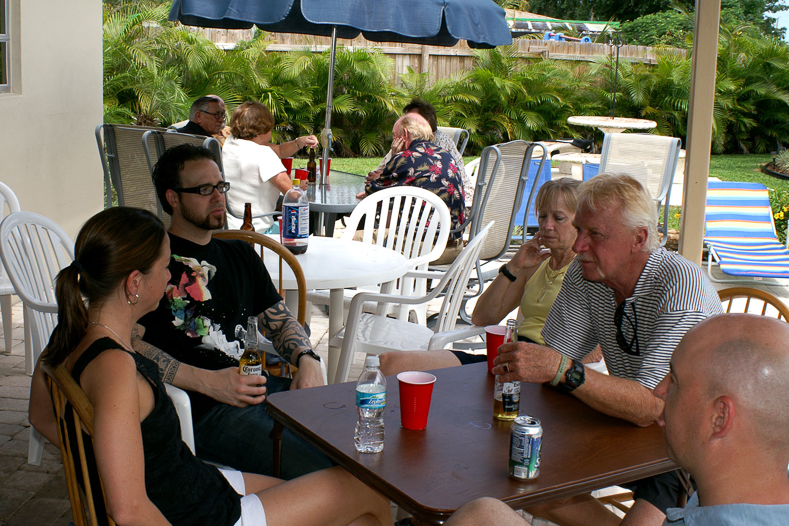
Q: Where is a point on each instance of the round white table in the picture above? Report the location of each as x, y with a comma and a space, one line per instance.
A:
336, 264
612, 124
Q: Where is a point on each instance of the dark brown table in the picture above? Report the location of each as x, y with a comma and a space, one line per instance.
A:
463, 453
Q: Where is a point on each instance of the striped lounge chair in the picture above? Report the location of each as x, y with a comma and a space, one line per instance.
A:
740, 233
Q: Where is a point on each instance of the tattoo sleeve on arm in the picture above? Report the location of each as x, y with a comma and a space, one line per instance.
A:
168, 366
283, 328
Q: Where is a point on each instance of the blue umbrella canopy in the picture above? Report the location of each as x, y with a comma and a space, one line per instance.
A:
481, 23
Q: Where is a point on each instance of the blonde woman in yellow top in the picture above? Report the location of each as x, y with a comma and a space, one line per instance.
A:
531, 280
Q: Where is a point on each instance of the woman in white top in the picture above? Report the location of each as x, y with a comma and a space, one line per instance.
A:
253, 167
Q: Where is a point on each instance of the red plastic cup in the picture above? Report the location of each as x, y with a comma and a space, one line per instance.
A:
301, 174
416, 390
288, 163
494, 337
328, 166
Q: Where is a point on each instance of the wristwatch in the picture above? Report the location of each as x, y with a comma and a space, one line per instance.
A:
574, 378
507, 274
308, 352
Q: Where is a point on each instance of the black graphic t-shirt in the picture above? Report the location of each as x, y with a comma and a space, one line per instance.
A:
212, 287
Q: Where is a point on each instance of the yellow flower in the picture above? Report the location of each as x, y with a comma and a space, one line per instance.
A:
786, 208
678, 215
779, 215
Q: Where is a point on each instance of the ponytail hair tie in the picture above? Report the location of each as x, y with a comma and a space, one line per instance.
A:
76, 264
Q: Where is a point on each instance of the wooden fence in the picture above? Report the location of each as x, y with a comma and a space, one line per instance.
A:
440, 62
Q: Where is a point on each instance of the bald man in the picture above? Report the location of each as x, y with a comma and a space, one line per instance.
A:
726, 421
418, 161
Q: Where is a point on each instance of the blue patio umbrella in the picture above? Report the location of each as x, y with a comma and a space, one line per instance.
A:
481, 23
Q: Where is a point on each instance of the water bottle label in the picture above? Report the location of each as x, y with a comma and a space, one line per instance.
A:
370, 400
295, 221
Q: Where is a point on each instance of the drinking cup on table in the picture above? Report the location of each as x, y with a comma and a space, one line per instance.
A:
328, 166
416, 390
288, 163
494, 337
301, 173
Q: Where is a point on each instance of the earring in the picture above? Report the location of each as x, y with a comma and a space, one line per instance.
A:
129, 301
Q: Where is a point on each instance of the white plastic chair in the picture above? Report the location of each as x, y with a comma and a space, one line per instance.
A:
8, 197
183, 407
33, 250
410, 221
375, 334
648, 158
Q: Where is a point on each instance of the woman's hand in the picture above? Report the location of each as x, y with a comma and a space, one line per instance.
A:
307, 141
529, 255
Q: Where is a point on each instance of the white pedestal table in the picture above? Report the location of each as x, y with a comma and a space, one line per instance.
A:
612, 124
336, 264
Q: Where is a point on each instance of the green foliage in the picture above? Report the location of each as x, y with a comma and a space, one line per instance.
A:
782, 161
779, 201
667, 28
153, 70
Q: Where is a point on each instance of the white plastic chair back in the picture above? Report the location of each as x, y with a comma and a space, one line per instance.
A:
411, 221
378, 334
183, 406
648, 158
33, 250
8, 197
459, 135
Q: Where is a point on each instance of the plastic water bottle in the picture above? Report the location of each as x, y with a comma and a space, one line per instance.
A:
370, 403
295, 219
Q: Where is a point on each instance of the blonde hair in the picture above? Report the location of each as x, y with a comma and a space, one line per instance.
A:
550, 191
251, 119
622, 192
417, 126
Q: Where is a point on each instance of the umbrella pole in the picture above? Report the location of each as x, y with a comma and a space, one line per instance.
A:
329, 95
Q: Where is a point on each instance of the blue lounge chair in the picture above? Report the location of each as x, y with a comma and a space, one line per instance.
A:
740, 233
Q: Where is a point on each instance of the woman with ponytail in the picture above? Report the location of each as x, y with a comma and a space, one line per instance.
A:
149, 475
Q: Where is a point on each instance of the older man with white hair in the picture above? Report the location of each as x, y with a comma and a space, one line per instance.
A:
417, 161
634, 299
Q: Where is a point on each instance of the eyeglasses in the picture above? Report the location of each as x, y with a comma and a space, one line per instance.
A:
205, 189
619, 317
220, 116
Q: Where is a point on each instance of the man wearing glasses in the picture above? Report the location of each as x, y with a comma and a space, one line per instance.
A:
636, 300
206, 117
216, 285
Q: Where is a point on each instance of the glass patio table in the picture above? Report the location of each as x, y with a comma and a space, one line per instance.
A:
328, 201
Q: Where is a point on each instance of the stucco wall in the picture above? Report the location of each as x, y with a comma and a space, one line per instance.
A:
48, 152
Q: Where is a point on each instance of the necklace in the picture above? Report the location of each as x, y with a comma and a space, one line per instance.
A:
120, 340
549, 281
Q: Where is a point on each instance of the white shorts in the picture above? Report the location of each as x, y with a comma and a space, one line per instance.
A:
252, 513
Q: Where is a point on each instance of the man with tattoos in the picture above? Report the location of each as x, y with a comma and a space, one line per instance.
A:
215, 285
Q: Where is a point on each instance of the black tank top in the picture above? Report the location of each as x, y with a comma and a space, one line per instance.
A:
185, 489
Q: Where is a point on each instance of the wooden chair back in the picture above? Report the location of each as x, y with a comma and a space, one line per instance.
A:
756, 302
265, 242
74, 414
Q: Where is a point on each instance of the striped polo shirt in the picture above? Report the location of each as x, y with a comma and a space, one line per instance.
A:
671, 296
